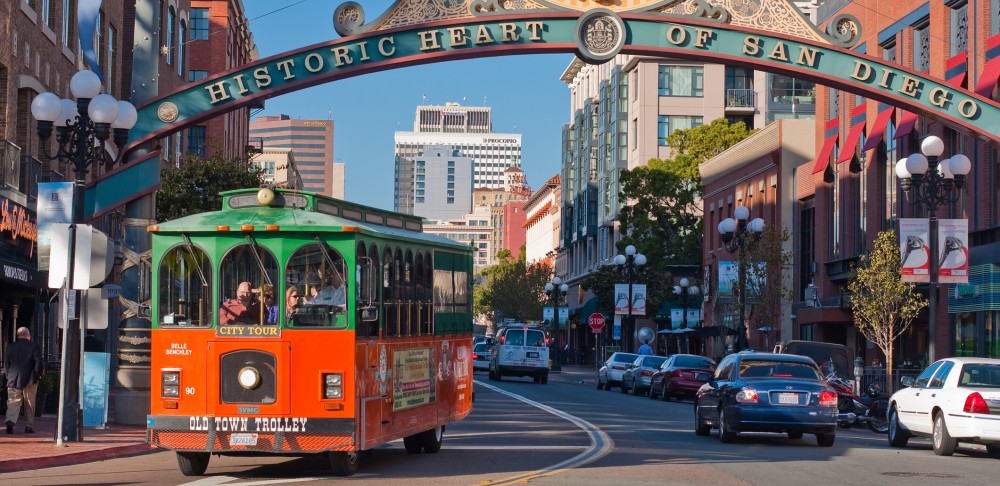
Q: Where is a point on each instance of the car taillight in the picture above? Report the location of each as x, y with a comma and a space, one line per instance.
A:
974, 403
828, 399
646, 373
475, 355
747, 395
676, 373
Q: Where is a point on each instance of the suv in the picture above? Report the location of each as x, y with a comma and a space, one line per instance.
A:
520, 351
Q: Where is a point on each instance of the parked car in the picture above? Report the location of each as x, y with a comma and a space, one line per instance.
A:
611, 372
482, 353
767, 392
954, 400
680, 374
636, 377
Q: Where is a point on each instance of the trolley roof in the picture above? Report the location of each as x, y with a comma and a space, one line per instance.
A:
303, 211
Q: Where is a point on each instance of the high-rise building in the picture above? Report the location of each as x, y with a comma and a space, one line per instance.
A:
215, 38
442, 183
468, 130
312, 143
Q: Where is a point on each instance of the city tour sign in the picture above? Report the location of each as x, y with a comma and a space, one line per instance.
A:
766, 35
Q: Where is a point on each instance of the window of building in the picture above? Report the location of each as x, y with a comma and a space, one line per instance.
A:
834, 107
112, 52
668, 124
959, 19
196, 74
835, 206
99, 42
68, 25
807, 243
635, 133
420, 199
994, 17
888, 154
199, 24
922, 45
680, 80
196, 140
171, 35
181, 49
635, 85
889, 51
787, 90
46, 11
451, 170
450, 200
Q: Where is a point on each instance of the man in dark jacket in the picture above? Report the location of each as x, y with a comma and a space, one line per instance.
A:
23, 365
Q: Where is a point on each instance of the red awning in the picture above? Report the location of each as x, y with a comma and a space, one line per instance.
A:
878, 129
906, 123
956, 63
824, 154
852, 137
988, 80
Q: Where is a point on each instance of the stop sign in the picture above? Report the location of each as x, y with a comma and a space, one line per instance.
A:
596, 322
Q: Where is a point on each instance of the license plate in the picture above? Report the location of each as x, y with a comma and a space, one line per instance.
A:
790, 398
701, 376
532, 354
243, 439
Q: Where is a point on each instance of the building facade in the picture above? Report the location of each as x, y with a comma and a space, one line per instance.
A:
469, 131
214, 38
622, 113
442, 183
542, 222
473, 229
312, 143
278, 166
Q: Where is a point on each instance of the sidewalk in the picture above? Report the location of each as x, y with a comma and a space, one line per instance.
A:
574, 374
23, 452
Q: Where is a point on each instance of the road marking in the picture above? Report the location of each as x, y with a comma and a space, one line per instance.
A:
600, 442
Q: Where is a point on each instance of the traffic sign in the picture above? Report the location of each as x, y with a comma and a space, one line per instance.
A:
596, 322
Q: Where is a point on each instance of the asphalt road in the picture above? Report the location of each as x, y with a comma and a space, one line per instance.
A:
574, 434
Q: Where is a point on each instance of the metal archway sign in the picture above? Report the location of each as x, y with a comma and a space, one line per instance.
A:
767, 35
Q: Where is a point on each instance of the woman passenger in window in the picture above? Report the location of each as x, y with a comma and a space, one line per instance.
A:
293, 299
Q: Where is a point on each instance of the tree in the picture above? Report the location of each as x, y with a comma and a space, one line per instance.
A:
768, 266
884, 306
661, 201
195, 186
512, 288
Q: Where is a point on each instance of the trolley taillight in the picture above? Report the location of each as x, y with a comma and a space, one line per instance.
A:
333, 385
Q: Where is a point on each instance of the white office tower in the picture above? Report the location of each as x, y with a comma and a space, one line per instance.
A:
478, 155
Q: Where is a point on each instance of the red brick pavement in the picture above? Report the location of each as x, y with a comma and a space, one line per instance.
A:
21, 452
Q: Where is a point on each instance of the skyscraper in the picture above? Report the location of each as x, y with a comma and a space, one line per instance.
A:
468, 131
311, 141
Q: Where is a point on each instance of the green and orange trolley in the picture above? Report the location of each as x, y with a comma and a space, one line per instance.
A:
357, 331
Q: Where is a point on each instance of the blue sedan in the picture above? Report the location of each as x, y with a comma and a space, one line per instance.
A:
766, 392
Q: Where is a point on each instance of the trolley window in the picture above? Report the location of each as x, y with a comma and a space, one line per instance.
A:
246, 285
185, 287
318, 272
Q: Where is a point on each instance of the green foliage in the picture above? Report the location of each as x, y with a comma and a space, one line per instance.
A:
195, 186
512, 288
47, 383
663, 216
884, 306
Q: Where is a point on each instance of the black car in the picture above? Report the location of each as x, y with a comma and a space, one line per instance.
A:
767, 392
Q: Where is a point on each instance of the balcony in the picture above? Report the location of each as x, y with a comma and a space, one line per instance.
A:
741, 101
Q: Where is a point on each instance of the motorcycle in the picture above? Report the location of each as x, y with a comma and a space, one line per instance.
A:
853, 410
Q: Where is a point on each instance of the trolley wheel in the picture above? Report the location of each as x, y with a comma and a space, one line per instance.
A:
432, 439
413, 443
193, 463
344, 463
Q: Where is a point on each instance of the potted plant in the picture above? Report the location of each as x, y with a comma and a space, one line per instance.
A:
46, 386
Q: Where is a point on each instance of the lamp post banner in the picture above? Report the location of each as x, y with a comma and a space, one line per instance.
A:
548, 314
728, 278
638, 299
953, 251
55, 205
621, 299
914, 260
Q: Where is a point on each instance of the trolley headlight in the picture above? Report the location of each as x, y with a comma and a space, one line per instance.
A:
171, 384
333, 385
248, 377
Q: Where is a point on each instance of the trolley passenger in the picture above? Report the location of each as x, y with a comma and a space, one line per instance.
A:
244, 309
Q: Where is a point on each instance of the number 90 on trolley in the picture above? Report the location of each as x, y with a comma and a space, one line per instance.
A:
292, 323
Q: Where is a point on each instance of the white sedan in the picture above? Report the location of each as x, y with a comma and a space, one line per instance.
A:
953, 400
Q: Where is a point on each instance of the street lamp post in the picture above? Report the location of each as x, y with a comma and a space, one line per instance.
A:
931, 184
82, 127
557, 290
630, 264
737, 233
683, 291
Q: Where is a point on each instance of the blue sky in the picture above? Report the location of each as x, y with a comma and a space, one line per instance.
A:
524, 92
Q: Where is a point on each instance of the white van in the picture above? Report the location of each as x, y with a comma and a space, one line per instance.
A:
520, 351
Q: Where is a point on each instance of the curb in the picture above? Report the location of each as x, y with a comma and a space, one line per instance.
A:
73, 458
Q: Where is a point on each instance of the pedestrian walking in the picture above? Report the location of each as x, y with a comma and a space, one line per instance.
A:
23, 365
645, 349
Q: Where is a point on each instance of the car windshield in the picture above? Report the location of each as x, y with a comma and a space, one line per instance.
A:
778, 369
980, 375
693, 362
483, 348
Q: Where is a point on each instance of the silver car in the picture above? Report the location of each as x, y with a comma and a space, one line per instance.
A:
637, 377
613, 369
482, 353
